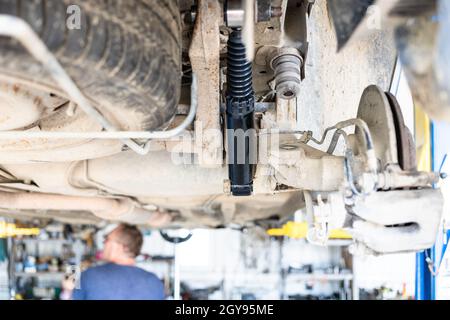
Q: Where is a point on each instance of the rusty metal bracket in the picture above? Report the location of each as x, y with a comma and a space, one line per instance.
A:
205, 60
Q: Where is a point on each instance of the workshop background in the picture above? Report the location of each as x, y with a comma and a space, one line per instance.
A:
212, 264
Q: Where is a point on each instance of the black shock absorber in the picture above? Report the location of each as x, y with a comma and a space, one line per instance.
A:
241, 134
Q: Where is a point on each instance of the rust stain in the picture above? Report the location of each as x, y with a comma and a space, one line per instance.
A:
37, 101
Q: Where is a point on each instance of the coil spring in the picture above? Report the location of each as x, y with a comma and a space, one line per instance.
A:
239, 70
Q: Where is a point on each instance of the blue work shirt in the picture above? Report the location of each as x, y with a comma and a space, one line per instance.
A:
117, 282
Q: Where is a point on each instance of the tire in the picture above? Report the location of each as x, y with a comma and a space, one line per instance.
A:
126, 57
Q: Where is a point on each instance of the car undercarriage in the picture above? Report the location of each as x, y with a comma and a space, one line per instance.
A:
211, 113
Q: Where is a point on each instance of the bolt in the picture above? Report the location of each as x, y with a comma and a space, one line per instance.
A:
443, 175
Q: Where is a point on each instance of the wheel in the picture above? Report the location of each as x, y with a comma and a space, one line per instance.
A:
125, 57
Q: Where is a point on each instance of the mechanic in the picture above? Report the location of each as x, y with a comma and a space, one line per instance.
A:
119, 278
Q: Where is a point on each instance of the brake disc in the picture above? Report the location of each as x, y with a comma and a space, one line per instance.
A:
406, 149
392, 139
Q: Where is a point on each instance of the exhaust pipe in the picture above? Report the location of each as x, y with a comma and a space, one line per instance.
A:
123, 210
